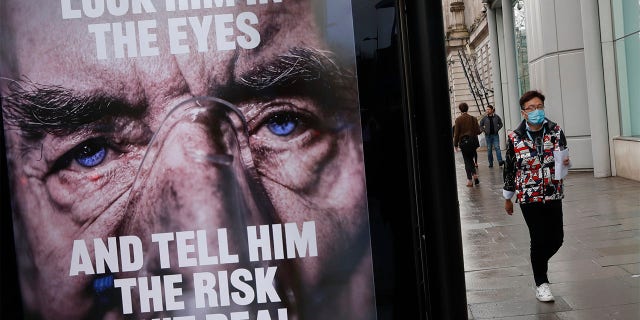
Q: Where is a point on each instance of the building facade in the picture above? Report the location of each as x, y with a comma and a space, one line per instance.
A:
468, 56
582, 54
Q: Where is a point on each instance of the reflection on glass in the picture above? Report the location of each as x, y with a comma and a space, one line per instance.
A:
520, 32
626, 17
628, 69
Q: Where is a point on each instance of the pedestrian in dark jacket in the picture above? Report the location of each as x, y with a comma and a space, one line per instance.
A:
529, 173
490, 125
465, 136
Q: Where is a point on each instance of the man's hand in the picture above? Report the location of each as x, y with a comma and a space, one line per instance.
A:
508, 206
566, 161
455, 149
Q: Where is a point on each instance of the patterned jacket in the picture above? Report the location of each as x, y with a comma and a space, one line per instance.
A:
530, 175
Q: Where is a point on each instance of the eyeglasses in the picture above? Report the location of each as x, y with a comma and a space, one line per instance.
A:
532, 107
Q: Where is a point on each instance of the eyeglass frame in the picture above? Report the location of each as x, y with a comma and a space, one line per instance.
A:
537, 107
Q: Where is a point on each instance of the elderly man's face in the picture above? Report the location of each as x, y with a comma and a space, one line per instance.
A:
85, 163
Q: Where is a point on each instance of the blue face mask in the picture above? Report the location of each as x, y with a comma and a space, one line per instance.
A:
536, 117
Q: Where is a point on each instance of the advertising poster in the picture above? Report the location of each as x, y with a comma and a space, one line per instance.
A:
185, 159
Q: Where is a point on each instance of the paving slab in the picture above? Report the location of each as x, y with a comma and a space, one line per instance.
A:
631, 311
596, 273
512, 308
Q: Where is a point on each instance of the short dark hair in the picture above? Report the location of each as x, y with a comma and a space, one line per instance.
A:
490, 107
530, 95
464, 107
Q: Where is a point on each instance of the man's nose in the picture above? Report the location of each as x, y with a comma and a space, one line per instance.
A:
197, 171
197, 177
195, 194
192, 201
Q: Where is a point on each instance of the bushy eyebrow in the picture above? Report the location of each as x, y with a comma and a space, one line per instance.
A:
37, 109
302, 70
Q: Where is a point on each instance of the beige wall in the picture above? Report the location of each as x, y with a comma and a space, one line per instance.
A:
627, 153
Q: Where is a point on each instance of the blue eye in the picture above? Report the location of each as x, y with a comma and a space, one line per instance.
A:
282, 125
90, 154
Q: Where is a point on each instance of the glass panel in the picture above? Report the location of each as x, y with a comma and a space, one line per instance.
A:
626, 17
388, 185
627, 53
522, 57
110, 158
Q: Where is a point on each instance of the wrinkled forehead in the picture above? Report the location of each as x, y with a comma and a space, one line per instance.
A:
146, 43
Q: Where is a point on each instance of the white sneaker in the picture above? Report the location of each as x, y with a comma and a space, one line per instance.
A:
543, 293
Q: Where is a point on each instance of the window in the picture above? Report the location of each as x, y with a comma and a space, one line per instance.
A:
522, 58
626, 18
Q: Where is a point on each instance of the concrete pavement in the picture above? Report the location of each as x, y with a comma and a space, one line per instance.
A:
594, 276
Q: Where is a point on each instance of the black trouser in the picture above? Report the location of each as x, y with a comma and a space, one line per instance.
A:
468, 149
544, 221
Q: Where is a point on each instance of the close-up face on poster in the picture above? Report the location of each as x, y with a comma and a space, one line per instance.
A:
185, 159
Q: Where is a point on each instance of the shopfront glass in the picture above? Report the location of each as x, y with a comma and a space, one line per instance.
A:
522, 57
626, 18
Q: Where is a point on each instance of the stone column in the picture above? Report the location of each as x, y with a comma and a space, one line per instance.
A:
457, 39
494, 48
512, 66
595, 88
457, 28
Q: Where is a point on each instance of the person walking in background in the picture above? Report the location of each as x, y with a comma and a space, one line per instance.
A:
465, 137
490, 125
529, 173
475, 152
